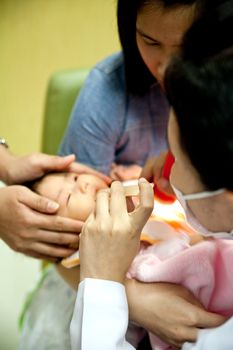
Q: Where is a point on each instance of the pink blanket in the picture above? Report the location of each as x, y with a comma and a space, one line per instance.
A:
206, 269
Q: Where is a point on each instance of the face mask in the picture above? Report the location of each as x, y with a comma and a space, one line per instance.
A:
191, 219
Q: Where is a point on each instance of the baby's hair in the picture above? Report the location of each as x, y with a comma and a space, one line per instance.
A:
32, 184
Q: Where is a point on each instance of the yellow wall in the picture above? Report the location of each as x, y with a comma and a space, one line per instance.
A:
38, 37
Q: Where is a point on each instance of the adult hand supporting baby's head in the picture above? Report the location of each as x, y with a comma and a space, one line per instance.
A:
80, 168
33, 166
20, 169
27, 226
33, 230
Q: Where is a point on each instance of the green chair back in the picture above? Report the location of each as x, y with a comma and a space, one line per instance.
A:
63, 89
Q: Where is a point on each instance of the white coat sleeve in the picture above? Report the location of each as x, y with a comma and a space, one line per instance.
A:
214, 339
100, 317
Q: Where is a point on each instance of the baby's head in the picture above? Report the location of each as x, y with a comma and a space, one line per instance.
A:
75, 193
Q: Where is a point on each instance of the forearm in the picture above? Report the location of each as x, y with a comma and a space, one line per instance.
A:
139, 314
70, 276
169, 311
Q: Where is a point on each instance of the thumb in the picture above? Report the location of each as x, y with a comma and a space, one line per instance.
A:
38, 203
61, 163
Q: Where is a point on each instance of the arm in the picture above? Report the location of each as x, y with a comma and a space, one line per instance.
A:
96, 121
109, 241
5, 157
70, 276
149, 304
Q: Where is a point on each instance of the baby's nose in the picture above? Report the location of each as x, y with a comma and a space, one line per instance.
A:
82, 186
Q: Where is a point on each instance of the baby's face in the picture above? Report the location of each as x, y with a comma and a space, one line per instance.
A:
75, 193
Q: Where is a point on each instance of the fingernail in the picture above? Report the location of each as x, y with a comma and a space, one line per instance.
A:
70, 155
142, 180
52, 206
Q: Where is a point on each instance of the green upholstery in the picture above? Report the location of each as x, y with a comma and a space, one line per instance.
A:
63, 88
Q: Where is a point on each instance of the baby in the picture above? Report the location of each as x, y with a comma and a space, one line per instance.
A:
164, 255
52, 299
74, 193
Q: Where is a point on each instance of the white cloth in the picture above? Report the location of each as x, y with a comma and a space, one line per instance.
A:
47, 317
100, 318
220, 338
100, 321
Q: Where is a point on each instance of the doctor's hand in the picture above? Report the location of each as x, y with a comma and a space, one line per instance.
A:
169, 311
110, 237
29, 224
152, 171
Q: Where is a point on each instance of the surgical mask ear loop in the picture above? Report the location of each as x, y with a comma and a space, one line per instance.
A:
201, 195
192, 220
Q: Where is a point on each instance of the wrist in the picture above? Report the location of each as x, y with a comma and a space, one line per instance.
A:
6, 157
3, 142
132, 297
107, 276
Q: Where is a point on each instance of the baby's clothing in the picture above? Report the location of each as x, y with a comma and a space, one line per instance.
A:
206, 269
47, 318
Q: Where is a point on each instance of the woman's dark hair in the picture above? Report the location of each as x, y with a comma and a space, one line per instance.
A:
199, 86
138, 76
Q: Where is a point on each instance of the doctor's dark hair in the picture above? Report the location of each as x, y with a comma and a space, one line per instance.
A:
199, 86
138, 76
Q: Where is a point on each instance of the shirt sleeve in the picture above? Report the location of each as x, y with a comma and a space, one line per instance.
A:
100, 317
214, 339
96, 121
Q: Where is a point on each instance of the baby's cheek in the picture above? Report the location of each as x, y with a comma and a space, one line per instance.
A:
63, 211
81, 210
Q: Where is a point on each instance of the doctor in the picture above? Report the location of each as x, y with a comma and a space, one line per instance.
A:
110, 237
108, 244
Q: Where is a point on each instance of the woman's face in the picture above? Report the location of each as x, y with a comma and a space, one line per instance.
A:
75, 193
159, 34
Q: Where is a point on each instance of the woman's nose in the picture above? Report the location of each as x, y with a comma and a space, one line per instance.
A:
162, 68
164, 59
